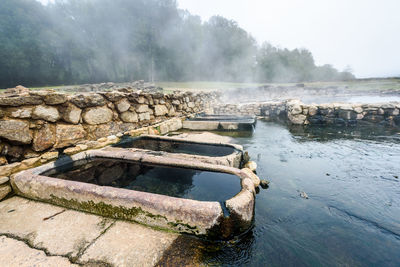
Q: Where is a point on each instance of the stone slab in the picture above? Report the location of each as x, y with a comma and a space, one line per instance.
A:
127, 244
55, 229
17, 253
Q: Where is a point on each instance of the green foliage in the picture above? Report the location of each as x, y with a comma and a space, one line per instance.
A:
89, 41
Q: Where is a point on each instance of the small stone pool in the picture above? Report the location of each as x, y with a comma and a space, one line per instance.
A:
171, 145
169, 181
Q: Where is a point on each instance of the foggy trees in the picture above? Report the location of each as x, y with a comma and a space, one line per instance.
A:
89, 41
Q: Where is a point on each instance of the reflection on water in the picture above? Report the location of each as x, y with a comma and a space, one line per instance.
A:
175, 182
352, 216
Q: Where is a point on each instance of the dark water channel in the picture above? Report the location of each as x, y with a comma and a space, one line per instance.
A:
352, 216
174, 182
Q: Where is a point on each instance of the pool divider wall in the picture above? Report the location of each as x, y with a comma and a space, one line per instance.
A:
233, 160
204, 218
298, 113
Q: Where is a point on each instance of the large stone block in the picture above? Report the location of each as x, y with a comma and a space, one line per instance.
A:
142, 108
160, 110
98, 115
55, 98
15, 101
67, 135
44, 138
71, 114
15, 130
47, 113
129, 117
123, 105
88, 100
21, 112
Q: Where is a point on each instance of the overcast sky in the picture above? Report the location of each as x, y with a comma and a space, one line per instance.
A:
364, 34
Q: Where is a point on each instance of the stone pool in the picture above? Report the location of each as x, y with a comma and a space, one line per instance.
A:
352, 216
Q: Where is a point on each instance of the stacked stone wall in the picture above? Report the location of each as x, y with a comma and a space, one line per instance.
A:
340, 114
36, 122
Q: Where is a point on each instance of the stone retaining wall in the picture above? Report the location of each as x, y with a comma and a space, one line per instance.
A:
341, 114
36, 122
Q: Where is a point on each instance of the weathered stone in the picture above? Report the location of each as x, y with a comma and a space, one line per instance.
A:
3, 161
97, 115
141, 108
171, 111
8, 169
75, 149
29, 163
49, 156
19, 89
176, 102
55, 229
47, 113
297, 119
251, 165
67, 135
20, 100
114, 247
160, 110
55, 98
98, 131
15, 151
347, 114
358, 110
15, 130
5, 189
17, 253
312, 110
4, 179
71, 114
254, 178
44, 138
22, 112
123, 105
129, 117
144, 116
113, 96
88, 100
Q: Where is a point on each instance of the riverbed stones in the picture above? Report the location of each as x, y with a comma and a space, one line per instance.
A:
44, 138
67, 135
97, 115
16, 130
47, 113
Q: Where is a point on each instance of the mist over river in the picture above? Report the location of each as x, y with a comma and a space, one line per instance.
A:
352, 216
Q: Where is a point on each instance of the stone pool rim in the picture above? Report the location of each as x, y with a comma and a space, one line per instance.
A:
203, 218
233, 160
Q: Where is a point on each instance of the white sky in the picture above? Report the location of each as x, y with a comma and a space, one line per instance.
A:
364, 34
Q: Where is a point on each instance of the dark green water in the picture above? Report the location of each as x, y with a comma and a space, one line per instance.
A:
352, 216
174, 182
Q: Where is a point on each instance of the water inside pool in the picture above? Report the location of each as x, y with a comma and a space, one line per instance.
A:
176, 146
175, 182
352, 216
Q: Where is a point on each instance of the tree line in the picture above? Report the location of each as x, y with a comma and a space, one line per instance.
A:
91, 41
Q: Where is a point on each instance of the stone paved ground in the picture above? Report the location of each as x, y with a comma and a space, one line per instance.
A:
38, 234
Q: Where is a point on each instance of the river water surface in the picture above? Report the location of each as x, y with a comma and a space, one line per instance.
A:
352, 216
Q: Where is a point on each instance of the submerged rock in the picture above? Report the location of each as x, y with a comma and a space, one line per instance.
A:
264, 184
303, 195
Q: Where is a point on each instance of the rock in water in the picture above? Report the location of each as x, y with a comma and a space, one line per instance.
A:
304, 195
264, 184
